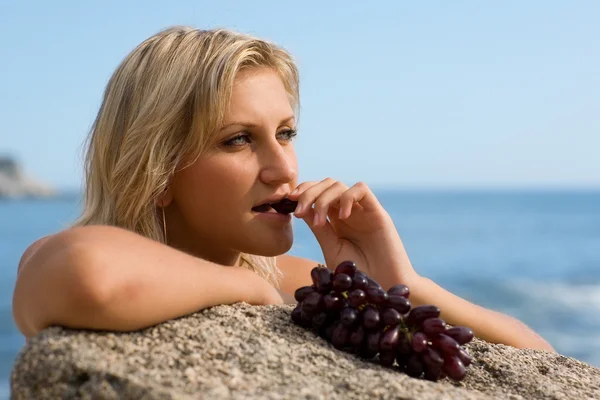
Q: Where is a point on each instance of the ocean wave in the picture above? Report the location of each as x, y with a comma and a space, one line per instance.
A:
579, 297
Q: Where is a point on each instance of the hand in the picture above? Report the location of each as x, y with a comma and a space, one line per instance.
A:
351, 224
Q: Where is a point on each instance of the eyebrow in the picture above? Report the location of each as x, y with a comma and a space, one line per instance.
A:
248, 125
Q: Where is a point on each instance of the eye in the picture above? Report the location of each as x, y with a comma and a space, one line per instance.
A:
288, 135
238, 140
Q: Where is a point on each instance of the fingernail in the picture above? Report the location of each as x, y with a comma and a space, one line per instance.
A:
316, 219
341, 213
294, 191
298, 209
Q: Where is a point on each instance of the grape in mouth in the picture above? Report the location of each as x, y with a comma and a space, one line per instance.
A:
285, 206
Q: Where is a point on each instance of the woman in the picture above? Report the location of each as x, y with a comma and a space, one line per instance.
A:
193, 138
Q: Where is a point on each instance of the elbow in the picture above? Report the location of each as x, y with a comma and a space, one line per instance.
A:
536, 343
61, 288
524, 337
539, 343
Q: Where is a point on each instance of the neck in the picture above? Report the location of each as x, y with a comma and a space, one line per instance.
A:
181, 237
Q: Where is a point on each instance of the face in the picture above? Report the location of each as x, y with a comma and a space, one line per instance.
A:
210, 213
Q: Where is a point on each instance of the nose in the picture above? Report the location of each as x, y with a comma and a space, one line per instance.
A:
279, 164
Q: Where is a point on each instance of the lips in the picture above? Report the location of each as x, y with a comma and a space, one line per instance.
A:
285, 206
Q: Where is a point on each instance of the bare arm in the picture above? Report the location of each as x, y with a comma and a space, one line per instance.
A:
101, 277
488, 325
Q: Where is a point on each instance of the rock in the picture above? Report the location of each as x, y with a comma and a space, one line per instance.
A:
244, 351
15, 184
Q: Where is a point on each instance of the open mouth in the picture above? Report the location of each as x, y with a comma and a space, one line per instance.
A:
285, 206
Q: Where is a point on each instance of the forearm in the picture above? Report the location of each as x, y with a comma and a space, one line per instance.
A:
486, 324
111, 279
163, 286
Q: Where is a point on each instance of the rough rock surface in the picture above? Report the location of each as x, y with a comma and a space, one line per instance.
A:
244, 351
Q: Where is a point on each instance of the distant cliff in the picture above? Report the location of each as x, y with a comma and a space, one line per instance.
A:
14, 183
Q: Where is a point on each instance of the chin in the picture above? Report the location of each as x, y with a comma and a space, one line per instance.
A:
274, 251
276, 246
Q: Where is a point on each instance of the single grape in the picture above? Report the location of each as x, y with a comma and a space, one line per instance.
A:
414, 366
400, 290
432, 358
339, 336
349, 317
447, 345
391, 317
313, 303
301, 318
319, 320
433, 326
301, 293
389, 339
454, 368
373, 282
359, 281
420, 313
357, 298
285, 206
398, 303
347, 268
327, 331
333, 302
464, 356
419, 342
376, 295
341, 283
307, 318
297, 314
356, 336
372, 342
433, 373
461, 334
321, 277
386, 358
370, 318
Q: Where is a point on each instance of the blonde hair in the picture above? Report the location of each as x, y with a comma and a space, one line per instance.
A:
161, 110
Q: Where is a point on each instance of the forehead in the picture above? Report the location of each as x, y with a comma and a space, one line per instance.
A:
258, 93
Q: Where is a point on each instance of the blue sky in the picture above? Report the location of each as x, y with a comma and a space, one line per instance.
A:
461, 94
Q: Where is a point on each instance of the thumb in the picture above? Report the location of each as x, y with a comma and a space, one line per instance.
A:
326, 236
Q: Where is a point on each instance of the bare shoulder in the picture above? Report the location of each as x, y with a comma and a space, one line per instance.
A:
296, 272
61, 237
31, 250
59, 240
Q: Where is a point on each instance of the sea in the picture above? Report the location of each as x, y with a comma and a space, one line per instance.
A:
534, 255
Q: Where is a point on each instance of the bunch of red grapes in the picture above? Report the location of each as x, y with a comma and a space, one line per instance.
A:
355, 314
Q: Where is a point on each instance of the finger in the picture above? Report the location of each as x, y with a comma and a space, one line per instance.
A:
300, 189
336, 212
359, 194
325, 234
308, 197
329, 198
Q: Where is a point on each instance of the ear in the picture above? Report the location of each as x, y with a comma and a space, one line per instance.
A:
165, 198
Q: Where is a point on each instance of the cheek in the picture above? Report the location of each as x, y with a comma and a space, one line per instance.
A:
213, 188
